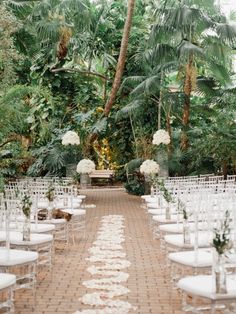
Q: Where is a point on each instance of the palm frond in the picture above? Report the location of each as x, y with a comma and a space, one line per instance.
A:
227, 32
132, 107
100, 126
83, 117
186, 48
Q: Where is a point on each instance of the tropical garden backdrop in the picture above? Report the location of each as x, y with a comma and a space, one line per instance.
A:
115, 72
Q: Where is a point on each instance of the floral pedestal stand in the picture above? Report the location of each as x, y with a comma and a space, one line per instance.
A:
85, 180
162, 160
147, 184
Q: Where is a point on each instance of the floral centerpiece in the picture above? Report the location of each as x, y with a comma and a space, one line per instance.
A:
70, 138
150, 169
85, 167
222, 244
26, 209
161, 138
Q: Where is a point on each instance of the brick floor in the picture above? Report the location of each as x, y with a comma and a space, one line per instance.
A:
149, 279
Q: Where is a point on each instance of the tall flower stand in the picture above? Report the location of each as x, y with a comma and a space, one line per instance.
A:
147, 184
85, 180
70, 169
162, 160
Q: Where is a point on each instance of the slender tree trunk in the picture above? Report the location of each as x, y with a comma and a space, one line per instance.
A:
225, 168
122, 57
188, 87
168, 128
160, 104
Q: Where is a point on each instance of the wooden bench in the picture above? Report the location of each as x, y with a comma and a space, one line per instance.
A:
106, 174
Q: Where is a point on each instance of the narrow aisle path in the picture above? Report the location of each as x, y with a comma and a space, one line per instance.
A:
148, 279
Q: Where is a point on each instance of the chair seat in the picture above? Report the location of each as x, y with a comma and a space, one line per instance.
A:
203, 286
7, 280
16, 257
75, 212
55, 221
41, 228
177, 240
178, 228
16, 238
200, 258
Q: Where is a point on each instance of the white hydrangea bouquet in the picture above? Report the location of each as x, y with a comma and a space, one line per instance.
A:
85, 166
70, 138
161, 137
149, 167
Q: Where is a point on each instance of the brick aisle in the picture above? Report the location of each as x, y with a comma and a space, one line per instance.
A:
148, 282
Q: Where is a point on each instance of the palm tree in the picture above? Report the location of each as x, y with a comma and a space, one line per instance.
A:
189, 37
122, 57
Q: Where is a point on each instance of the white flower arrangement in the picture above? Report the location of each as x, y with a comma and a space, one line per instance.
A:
161, 137
85, 166
70, 138
149, 167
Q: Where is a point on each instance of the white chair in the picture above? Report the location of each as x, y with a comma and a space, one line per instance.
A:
201, 288
7, 282
23, 264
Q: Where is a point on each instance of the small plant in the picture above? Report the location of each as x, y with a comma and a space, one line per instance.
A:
26, 205
162, 188
50, 193
182, 209
221, 241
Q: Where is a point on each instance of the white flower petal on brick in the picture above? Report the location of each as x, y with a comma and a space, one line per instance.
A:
85, 166
70, 138
149, 167
107, 253
161, 137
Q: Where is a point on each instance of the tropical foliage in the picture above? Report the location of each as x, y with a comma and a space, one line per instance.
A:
58, 61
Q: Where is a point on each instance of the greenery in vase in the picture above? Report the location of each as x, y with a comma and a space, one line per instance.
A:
26, 205
182, 209
221, 241
162, 188
50, 193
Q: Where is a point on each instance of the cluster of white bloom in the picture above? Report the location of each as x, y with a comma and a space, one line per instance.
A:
85, 166
161, 136
70, 138
149, 167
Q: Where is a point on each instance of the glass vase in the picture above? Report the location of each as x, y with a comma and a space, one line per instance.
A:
168, 215
186, 231
162, 160
85, 180
50, 210
26, 229
219, 273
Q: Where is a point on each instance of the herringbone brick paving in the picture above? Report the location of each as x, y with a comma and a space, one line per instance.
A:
149, 282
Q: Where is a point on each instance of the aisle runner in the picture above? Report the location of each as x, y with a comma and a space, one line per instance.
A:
108, 260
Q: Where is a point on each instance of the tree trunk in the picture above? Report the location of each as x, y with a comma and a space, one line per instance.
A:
168, 128
188, 88
225, 169
122, 57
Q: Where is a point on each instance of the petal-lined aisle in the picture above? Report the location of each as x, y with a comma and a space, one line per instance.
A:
109, 259
148, 281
